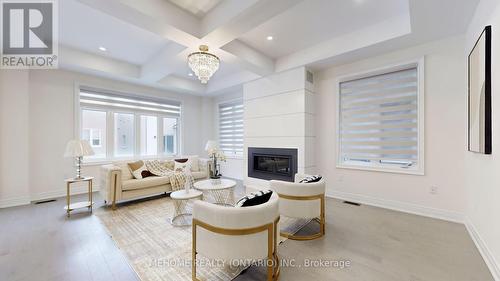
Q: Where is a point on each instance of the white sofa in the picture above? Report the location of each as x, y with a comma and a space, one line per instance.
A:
118, 183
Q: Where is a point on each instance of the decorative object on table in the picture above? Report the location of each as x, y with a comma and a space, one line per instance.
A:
203, 64
215, 155
219, 194
182, 208
480, 127
78, 149
85, 204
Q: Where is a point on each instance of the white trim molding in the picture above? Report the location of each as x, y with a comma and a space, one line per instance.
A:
75, 190
398, 206
13, 202
485, 252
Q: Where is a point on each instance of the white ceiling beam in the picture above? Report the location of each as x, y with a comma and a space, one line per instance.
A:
163, 63
227, 21
156, 16
182, 85
389, 29
74, 59
239, 53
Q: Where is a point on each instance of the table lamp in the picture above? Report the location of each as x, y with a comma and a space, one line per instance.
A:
78, 149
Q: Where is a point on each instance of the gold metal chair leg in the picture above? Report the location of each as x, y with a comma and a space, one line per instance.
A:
320, 220
113, 206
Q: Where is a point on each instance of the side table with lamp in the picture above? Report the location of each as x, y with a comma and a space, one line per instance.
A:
78, 149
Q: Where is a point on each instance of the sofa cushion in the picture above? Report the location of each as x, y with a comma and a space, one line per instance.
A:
198, 175
126, 174
311, 179
144, 183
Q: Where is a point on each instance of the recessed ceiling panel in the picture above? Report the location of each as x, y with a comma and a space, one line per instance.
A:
314, 21
87, 29
198, 8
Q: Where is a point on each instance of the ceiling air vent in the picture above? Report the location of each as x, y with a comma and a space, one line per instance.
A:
309, 77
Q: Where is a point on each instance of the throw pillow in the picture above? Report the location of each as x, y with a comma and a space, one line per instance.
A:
136, 168
146, 174
255, 198
192, 161
182, 167
311, 179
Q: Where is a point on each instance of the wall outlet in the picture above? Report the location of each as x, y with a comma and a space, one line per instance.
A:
433, 190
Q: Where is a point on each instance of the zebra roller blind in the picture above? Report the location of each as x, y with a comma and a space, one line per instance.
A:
379, 120
231, 128
93, 98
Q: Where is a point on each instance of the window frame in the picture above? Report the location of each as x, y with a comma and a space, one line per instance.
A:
218, 104
419, 169
110, 128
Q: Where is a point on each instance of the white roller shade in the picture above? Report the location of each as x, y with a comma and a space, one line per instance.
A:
93, 98
231, 128
379, 119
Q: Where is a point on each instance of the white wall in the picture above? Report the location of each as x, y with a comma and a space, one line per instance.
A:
444, 136
14, 136
482, 176
233, 167
46, 99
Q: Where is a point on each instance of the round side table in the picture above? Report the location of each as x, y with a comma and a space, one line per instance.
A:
219, 192
182, 211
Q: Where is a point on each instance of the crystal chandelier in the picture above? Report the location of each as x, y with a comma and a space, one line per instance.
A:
203, 64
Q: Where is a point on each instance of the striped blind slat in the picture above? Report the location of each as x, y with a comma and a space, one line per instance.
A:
231, 128
378, 119
95, 98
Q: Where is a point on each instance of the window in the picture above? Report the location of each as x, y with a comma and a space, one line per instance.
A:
231, 128
94, 131
170, 133
133, 124
124, 134
149, 135
379, 121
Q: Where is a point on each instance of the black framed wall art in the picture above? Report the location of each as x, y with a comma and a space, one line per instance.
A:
479, 88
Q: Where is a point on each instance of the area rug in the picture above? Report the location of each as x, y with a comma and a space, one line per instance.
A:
155, 249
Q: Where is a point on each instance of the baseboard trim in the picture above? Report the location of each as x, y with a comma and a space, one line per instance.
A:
13, 202
398, 206
61, 193
485, 252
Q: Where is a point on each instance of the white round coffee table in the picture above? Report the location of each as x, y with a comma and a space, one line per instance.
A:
220, 192
182, 211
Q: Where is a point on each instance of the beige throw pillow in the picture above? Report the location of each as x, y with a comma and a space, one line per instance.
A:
136, 168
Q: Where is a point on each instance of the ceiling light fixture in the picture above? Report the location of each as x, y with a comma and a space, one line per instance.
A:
203, 64
269, 38
190, 74
102, 49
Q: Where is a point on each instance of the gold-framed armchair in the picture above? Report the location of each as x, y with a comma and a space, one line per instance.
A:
236, 234
302, 200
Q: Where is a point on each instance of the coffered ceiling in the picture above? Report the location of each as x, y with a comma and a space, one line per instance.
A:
147, 42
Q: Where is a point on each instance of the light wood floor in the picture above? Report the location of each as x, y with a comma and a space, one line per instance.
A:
38, 242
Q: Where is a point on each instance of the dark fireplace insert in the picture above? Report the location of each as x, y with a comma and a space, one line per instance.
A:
272, 163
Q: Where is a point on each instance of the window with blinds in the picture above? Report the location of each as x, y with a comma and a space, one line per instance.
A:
379, 121
129, 103
231, 128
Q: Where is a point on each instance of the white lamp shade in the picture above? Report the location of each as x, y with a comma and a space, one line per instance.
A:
211, 145
78, 148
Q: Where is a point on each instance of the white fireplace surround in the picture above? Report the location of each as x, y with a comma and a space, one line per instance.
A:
279, 113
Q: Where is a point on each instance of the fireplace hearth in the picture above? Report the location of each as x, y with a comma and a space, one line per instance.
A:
272, 163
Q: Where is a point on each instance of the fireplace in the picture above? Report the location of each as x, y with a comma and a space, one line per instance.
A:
272, 163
